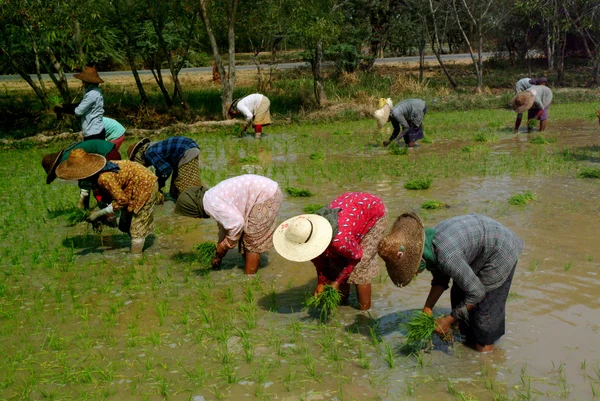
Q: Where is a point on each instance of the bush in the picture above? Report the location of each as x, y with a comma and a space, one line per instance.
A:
345, 56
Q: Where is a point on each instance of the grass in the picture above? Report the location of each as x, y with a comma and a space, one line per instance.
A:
419, 183
311, 208
432, 205
205, 253
419, 332
396, 150
76, 215
541, 140
325, 303
317, 156
298, 192
589, 172
522, 198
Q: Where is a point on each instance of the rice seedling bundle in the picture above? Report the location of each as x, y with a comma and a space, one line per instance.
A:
419, 183
206, 252
522, 198
317, 156
541, 140
76, 215
433, 205
298, 193
311, 208
325, 303
397, 150
419, 331
531, 123
589, 172
249, 159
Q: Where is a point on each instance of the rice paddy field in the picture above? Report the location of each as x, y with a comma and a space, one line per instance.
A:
81, 319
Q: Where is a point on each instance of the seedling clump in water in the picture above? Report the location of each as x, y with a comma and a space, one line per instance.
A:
317, 156
433, 205
420, 330
589, 172
298, 193
541, 140
419, 183
326, 302
311, 208
397, 150
522, 198
206, 251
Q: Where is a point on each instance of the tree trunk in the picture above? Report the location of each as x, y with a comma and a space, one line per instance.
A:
560, 65
160, 82
468, 42
479, 58
38, 70
77, 41
438, 47
550, 45
60, 82
320, 96
21, 71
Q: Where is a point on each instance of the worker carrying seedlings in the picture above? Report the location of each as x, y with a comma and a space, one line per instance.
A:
536, 101
94, 146
255, 109
479, 255
90, 109
407, 119
245, 208
131, 186
176, 155
341, 240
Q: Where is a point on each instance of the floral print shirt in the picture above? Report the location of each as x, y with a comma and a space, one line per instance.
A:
130, 187
359, 211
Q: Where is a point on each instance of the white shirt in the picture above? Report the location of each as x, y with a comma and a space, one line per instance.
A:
248, 105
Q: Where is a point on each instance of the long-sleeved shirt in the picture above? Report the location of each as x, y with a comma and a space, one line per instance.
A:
359, 211
477, 253
408, 113
248, 105
523, 85
91, 111
542, 96
165, 155
130, 187
114, 130
230, 202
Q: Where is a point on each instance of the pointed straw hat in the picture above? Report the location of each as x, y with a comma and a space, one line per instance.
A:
49, 163
402, 248
522, 102
383, 113
90, 75
303, 237
133, 150
80, 165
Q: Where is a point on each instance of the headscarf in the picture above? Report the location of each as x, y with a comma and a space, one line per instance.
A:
190, 203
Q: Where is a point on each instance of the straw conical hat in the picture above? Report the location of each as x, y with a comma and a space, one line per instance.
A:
90, 75
402, 248
133, 150
303, 237
522, 102
49, 163
80, 165
383, 113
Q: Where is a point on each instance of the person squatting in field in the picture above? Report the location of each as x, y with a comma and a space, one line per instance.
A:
406, 118
255, 109
536, 101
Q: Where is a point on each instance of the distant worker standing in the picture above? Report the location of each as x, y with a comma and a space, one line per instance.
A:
536, 100
255, 109
406, 118
524, 84
115, 132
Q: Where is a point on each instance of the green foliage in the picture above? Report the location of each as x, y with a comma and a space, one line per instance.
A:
433, 205
345, 56
522, 198
397, 150
325, 303
419, 331
298, 193
205, 253
419, 183
589, 172
311, 208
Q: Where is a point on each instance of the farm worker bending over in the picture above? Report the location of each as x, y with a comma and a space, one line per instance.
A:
115, 132
131, 186
245, 208
523, 85
537, 100
95, 146
91, 108
406, 117
177, 155
255, 109
341, 240
479, 255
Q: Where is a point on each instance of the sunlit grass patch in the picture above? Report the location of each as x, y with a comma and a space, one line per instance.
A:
419, 183
298, 192
522, 199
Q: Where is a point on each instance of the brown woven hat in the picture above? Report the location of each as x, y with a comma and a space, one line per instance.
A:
90, 75
49, 163
522, 102
231, 107
80, 165
133, 150
402, 248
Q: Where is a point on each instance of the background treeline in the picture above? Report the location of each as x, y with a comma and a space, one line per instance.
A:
164, 36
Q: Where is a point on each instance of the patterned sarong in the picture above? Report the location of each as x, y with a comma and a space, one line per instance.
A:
261, 224
262, 116
186, 175
140, 224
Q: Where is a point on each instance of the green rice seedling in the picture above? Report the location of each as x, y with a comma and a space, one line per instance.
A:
205, 253
531, 124
419, 183
483, 137
311, 208
397, 150
541, 140
426, 139
389, 355
568, 265
325, 303
420, 331
589, 172
76, 215
468, 149
298, 193
317, 156
522, 199
251, 159
432, 205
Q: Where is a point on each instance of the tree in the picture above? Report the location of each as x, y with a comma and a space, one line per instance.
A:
585, 17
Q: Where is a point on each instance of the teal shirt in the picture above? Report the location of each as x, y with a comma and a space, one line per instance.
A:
114, 130
96, 146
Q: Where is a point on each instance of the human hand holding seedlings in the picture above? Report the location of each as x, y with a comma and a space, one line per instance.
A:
428, 311
443, 328
220, 254
96, 214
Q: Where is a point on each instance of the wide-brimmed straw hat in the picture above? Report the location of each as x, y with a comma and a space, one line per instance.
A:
383, 113
402, 248
522, 102
49, 163
133, 150
79, 165
90, 75
303, 237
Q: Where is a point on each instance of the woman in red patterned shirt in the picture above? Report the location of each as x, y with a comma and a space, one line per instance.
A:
341, 240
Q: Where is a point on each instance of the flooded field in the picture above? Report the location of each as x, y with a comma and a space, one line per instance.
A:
81, 319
